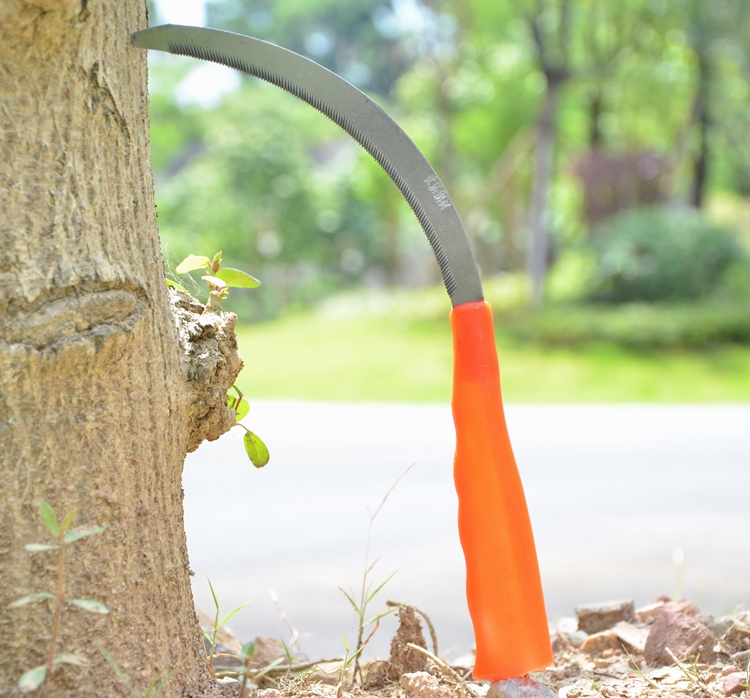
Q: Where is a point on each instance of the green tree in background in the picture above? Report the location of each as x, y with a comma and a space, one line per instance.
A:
533, 113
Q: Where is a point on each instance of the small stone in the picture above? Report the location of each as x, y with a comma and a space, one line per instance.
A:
578, 638
682, 634
635, 638
596, 644
684, 606
420, 684
729, 669
520, 687
733, 683
646, 614
595, 617
740, 658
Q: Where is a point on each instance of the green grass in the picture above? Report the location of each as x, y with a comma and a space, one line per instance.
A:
314, 357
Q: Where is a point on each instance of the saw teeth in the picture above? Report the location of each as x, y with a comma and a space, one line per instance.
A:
207, 54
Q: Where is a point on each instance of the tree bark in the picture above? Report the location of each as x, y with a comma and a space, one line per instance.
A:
539, 233
97, 393
703, 121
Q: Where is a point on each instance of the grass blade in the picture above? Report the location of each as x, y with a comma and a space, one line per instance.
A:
236, 610
374, 593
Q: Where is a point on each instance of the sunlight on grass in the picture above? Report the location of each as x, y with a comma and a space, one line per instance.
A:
314, 357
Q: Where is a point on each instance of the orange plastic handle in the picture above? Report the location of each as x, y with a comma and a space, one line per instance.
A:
503, 587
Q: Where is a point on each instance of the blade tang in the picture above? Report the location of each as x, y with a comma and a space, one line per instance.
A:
360, 117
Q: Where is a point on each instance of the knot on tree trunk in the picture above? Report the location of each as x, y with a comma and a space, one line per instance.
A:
210, 363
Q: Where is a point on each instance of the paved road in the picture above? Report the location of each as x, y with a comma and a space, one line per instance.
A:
613, 491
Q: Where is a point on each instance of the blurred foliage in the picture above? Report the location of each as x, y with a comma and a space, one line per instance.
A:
659, 254
660, 87
637, 326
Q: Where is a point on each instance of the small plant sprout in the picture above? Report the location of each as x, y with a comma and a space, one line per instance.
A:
637, 669
256, 450
218, 279
63, 536
693, 675
366, 595
211, 637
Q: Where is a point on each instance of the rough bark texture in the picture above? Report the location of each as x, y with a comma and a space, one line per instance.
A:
95, 405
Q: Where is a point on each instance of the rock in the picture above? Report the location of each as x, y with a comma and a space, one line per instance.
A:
596, 644
684, 606
646, 614
521, 687
740, 658
578, 638
733, 682
633, 637
682, 634
595, 617
420, 684
269, 650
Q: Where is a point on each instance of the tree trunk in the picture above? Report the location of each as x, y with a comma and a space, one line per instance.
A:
97, 395
702, 117
539, 233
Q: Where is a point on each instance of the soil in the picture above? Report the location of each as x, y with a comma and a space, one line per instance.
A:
609, 662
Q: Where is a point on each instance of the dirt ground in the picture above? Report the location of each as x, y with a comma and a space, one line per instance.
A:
663, 650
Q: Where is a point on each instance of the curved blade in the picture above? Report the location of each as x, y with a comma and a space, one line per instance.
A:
360, 117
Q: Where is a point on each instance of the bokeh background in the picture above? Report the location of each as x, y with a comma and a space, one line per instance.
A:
598, 154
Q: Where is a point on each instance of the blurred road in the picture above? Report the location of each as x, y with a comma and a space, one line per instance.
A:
613, 491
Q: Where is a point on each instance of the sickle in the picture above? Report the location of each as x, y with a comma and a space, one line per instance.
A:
504, 591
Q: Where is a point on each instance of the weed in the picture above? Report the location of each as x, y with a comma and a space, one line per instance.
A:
216, 625
592, 680
63, 537
746, 685
639, 671
219, 280
366, 596
693, 675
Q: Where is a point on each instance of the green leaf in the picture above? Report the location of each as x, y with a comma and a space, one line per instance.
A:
70, 658
242, 410
256, 450
374, 593
174, 284
380, 615
343, 639
65, 525
249, 650
40, 547
31, 598
216, 263
236, 610
191, 263
49, 518
90, 605
214, 281
82, 532
351, 601
236, 278
32, 679
213, 593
